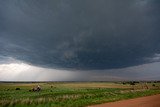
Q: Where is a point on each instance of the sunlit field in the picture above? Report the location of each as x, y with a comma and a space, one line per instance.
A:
72, 94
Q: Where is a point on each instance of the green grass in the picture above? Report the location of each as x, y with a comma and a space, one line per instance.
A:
67, 94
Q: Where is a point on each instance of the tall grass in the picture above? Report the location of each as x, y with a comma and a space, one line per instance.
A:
61, 96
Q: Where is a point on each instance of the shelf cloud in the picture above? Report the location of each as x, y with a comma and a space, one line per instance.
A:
80, 35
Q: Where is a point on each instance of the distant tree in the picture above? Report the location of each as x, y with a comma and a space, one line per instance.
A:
17, 88
132, 83
153, 85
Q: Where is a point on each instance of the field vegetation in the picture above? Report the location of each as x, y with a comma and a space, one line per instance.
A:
72, 94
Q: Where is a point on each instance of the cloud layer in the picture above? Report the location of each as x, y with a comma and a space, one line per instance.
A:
23, 72
88, 35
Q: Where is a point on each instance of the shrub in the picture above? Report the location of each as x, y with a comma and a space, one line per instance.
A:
17, 88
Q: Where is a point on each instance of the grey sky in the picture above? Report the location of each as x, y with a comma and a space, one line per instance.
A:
82, 36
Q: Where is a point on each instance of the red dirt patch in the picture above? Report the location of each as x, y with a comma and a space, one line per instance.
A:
149, 101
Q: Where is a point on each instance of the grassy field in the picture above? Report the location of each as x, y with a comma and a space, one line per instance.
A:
72, 94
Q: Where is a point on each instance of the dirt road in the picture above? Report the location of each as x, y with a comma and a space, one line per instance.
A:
150, 101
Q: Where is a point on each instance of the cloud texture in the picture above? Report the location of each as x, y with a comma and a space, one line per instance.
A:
75, 34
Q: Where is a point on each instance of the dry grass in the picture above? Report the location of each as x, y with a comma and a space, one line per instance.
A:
95, 85
71, 94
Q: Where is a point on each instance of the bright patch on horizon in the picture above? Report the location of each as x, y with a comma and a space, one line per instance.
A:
25, 72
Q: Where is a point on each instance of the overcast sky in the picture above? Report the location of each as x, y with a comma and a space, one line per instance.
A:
91, 40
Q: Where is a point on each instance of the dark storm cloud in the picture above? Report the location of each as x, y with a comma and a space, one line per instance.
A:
89, 34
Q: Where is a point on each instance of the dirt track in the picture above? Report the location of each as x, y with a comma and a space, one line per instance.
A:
150, 101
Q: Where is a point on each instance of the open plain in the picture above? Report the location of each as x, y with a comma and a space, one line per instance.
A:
72, 94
